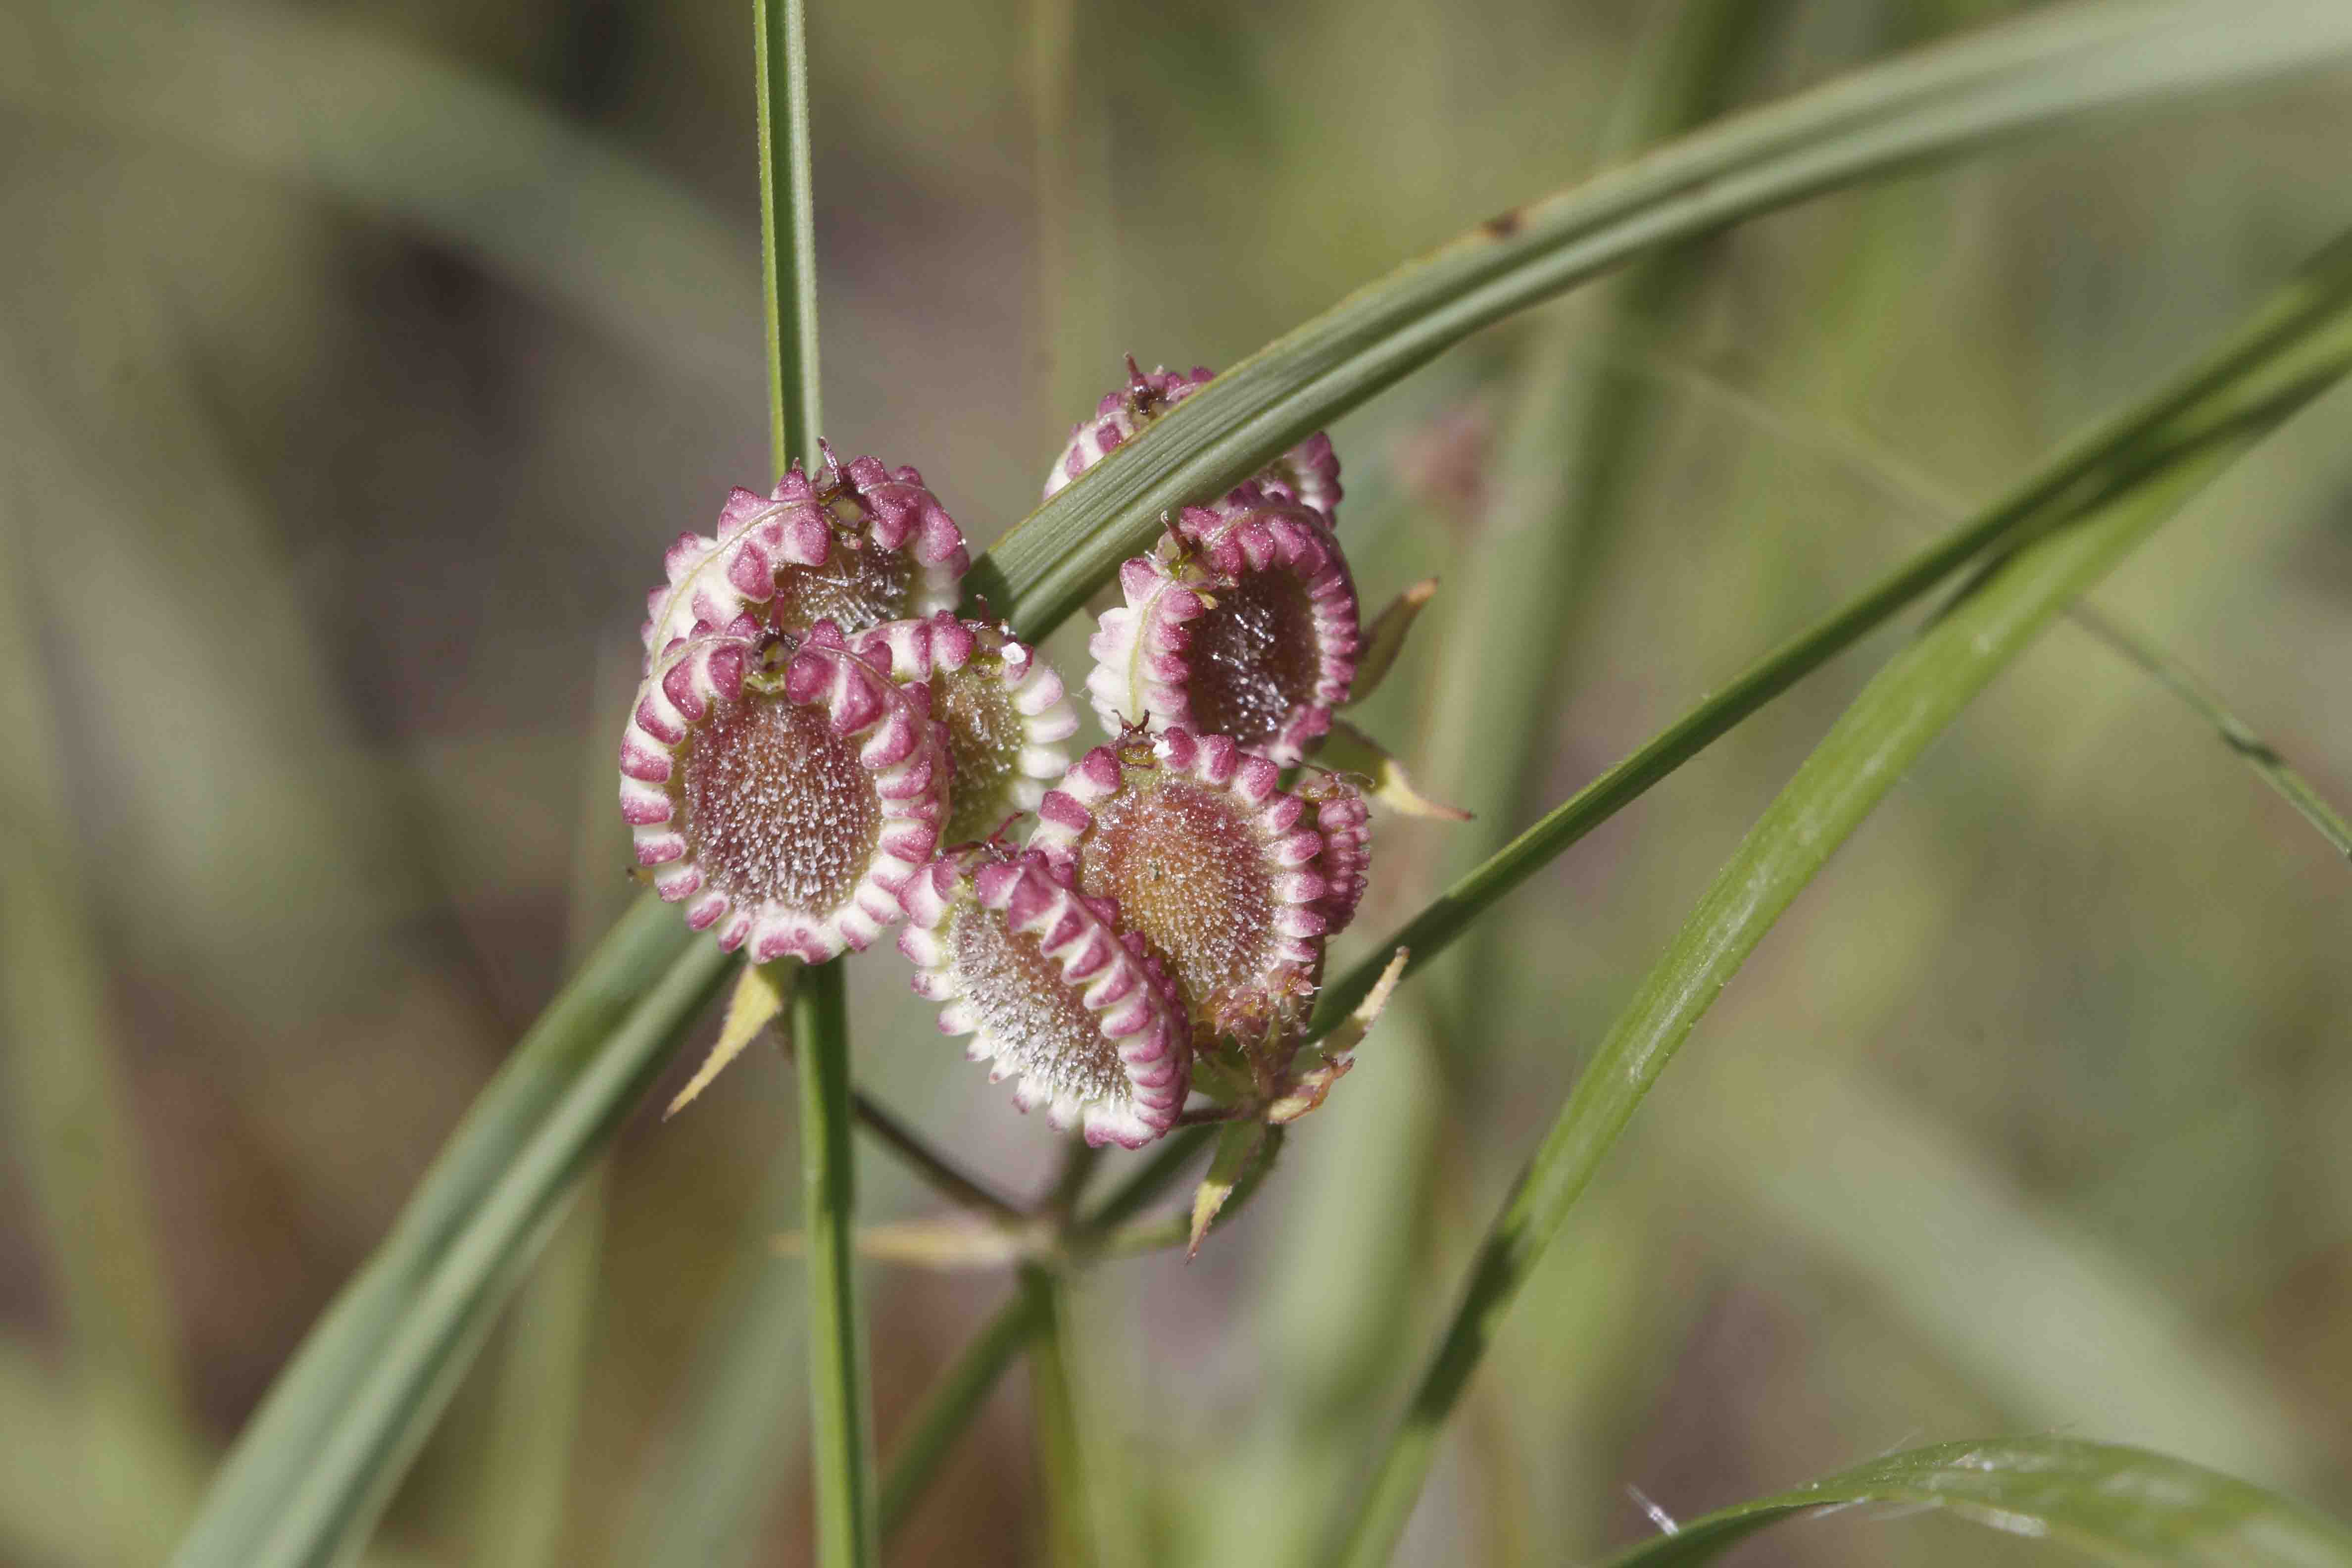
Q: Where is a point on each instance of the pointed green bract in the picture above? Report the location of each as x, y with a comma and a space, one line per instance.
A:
759, 999
1243, 1153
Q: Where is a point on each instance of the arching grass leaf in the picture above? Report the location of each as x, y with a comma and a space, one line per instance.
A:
2124, 1504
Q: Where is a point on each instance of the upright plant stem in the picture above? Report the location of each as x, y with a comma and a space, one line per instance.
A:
840, 1430
787, 228
1061, 1455
840, 1423
1069, 170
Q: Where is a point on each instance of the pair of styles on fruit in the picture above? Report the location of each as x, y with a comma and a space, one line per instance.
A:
822, 748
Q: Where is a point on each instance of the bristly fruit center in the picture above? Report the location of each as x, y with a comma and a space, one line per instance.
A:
1254, 659
985, 736
778, 808
1189, 873
1041, 1029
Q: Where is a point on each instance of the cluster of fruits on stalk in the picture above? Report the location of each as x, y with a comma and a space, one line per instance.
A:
823, 747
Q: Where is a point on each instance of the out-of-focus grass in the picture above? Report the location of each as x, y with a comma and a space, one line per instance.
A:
352, 509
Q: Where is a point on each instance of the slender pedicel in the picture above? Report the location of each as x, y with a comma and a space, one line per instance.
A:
1307, 475
1051, 994
784, 793
1242, 622
855, 545
1207, 858
1002, 707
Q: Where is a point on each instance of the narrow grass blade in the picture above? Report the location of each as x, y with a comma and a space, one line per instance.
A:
840, 1428
1903, 709
521, 1484
69, 1124
1568, 457
520, 1496
1844, 447
2052, 67
2293, 347
2123, 1504
2150, 656
340, 1414
953, 1401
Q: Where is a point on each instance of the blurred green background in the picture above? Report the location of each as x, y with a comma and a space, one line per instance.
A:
359, 360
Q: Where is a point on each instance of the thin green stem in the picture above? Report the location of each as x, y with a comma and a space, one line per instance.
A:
840, 1427
1176, 1151
1070, 177
951, 1403
958, 1395
1838, 444
2138, 649
841, 1424
1061, 1447
935, 1169
787, 228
